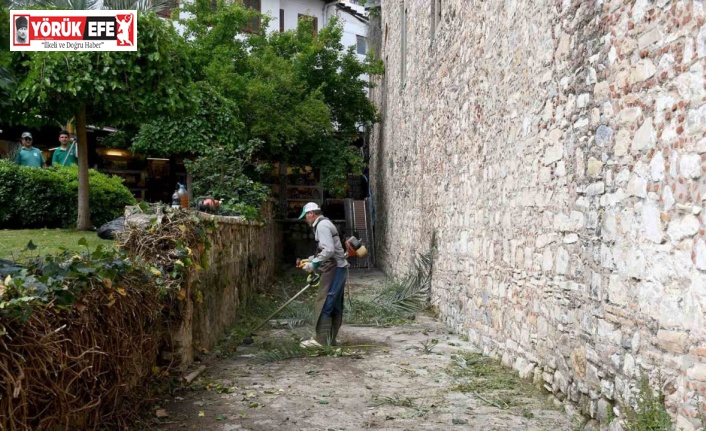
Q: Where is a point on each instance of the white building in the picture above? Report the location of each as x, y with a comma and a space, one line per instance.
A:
286, 13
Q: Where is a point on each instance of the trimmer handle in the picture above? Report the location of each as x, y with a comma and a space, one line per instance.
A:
313, 279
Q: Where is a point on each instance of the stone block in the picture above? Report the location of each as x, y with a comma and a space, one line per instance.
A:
637, 186
657, 167
583, 100
684, 424
701, 42
700, 254
629, 367
569, 223
601, 91
672, 341
645, 137
690, 166
696, 120
639, 10
642, 71
648, 39
652, 223
617, 292
553, 153
629, 116
571, 238
622, 143
594, 167
562, 261
691, 84
697, 372
603, 410
683, 227
595, 189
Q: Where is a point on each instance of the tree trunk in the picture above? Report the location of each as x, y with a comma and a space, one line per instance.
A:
189, 182
84, 215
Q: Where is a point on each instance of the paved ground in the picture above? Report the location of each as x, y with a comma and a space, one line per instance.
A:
407, 381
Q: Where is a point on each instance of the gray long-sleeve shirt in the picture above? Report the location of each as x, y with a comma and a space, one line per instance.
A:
330, 245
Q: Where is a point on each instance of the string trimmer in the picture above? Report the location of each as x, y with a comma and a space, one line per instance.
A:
312, 280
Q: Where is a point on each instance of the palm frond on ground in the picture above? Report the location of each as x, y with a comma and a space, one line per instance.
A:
412, 294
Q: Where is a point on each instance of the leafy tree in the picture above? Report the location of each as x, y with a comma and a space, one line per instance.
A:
106, 87
302, 95
222, 171
213, 121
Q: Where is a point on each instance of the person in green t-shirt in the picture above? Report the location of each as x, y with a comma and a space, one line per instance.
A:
28, 155
65, 155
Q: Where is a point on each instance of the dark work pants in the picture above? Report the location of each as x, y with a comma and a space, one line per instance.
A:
334, 299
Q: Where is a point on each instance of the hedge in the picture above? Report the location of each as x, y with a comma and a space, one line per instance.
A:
34, 198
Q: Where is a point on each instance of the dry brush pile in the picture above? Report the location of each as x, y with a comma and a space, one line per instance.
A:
80, 333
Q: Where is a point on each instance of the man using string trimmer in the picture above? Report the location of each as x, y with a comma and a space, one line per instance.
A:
331, 262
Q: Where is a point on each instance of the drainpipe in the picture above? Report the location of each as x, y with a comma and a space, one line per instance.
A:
324, 11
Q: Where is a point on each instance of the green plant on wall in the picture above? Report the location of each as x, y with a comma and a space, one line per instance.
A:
648, 412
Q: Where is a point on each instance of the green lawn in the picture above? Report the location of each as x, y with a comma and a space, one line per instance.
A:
12, 242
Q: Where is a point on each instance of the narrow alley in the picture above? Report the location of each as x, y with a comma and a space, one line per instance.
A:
416, 376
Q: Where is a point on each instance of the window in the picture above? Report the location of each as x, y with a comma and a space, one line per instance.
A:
361, 45
314, 20
253, 25
281, 20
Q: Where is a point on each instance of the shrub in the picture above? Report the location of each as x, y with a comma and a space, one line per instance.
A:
32, 197
222, 172
107, 197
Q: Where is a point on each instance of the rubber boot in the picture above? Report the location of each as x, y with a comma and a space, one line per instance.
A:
323, 330
337, 322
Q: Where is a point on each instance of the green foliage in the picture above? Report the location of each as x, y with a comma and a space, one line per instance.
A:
108, 197
33, 197
48, 197
7, 81
412, 293
429, 345
290, 349
337, 159
114, 87
221, 172
61, 279
301, 95
214, 122
649, 413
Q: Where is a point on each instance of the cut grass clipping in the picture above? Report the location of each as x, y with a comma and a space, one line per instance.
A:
489, 381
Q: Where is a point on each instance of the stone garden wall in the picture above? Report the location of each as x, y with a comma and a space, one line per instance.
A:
244, 257
556, 151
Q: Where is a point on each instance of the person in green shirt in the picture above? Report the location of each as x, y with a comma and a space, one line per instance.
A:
28, 155
65, 155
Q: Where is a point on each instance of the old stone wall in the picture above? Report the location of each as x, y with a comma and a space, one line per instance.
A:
243, 257
556, 151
